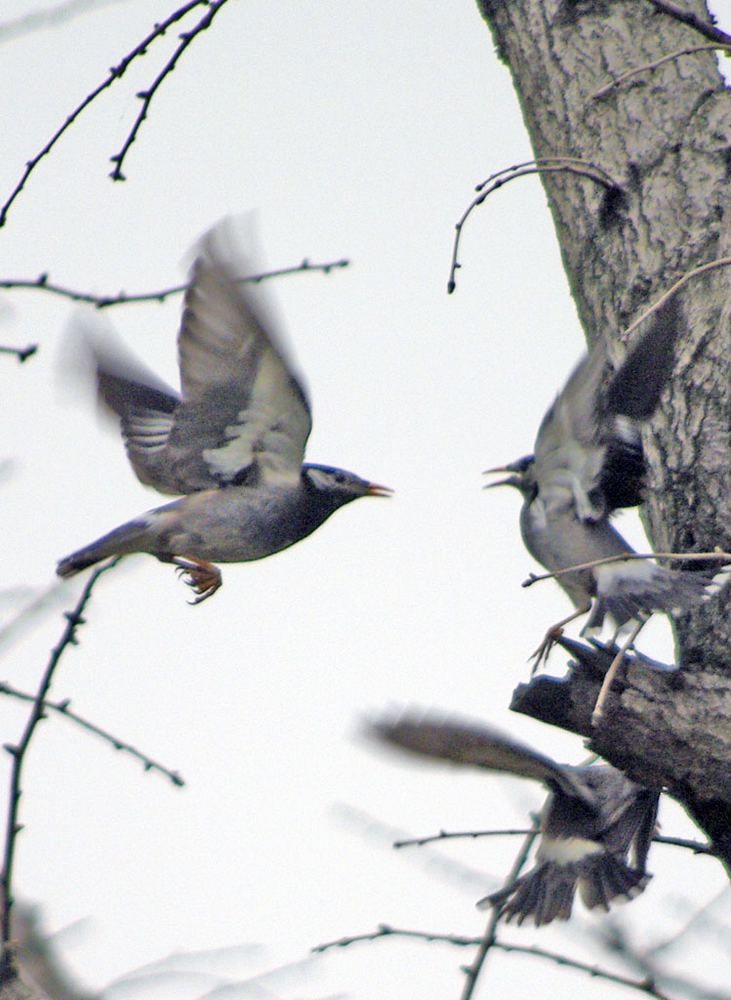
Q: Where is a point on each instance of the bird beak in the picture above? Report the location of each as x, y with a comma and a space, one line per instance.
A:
508, 481
374, 490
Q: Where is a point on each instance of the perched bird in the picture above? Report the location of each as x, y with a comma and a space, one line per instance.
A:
232, 441
588, 461
593, 818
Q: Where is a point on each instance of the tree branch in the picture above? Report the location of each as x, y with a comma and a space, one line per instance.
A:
18, 752
115, 73
41, 283
545, 165
64, 708
146, 96
643, 985
489, 938
692, 20
617, 81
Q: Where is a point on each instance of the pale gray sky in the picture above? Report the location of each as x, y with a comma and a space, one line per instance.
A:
354, 130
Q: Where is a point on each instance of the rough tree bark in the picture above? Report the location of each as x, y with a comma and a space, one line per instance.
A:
665, 136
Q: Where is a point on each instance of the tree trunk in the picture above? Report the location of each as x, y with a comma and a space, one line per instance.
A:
664, 135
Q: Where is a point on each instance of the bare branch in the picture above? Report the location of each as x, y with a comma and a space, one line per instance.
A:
489, 938
696, 846
644, 985
41, 283
617, 81
146, 96
683, 556
64, 708
114, 74
462, 834
18, 751
710, 266
545, 165
615, 938
692, 20
21, 353
385, 930
692, 845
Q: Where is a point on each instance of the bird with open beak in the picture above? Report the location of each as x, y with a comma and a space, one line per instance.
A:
232, 441
587, 462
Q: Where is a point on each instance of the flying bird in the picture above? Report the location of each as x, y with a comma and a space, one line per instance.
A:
587, 462
593, 819
232, 441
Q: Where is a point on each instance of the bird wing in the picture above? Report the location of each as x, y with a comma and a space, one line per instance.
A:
479, 746
243, 414
628, 810
130, 391
588, 451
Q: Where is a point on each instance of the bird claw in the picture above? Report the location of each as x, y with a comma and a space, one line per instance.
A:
204, 578
540, 656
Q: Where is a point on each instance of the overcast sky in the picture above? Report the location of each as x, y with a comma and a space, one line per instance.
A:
354, 131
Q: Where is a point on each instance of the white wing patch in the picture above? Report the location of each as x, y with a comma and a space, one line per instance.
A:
271, 430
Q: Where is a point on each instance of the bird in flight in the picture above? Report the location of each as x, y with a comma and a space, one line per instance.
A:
593, 820
588, 461
231, 442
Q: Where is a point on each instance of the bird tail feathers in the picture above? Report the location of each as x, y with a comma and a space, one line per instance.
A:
547, 893
121, 541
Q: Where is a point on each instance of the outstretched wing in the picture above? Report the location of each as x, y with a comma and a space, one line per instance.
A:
479, 746
588, 451
242, 415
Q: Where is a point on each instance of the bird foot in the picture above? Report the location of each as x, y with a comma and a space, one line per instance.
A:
202, 576
540, 656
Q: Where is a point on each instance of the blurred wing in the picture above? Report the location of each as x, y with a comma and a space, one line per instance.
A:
143, 402
244, 413
479, 746
629, 812
588, 451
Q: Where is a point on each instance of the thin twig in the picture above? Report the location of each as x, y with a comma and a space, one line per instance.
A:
596, 972
615, 938
114, 74
545, 165
489, 937
122, 298
461, 834
385, 930
692, 20
696, 846
550, 161
598, 712
146, 96
64, 708
617, 81
645, 985
692, 845
628, 557
21, 353
18, 751
711, 265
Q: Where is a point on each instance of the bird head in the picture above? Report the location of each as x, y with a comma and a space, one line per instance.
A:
341, 486
522, 476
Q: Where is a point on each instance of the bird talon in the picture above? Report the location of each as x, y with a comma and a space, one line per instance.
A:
202, 576
540, 656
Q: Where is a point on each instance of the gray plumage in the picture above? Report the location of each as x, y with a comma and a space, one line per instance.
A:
588, 461
593, 820
232, 441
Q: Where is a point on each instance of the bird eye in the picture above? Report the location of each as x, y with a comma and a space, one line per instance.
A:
340, 478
